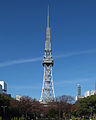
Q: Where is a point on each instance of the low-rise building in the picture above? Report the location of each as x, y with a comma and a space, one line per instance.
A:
4, 87
89, 93
86, 94
18, 97
78, 97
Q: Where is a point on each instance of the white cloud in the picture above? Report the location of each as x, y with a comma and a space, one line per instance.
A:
23, 87
75, 53
5, 64
74, 81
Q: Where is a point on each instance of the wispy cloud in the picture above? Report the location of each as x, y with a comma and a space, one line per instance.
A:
5, 64
75, 53
72, 81
9, 63
24, 87
75, 81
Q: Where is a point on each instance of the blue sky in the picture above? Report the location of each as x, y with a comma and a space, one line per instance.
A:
22, 40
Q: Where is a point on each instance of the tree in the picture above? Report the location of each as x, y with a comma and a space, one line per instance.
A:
85, 106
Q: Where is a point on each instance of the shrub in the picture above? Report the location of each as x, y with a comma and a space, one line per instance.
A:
73, 118
0, 118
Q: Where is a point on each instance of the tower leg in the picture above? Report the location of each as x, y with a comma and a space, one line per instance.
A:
47, 93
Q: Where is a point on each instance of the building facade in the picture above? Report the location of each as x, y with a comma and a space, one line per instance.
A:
4, 87
0, 89
89, 93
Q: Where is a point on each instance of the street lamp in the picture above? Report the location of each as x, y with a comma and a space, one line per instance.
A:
3, 112
91, 108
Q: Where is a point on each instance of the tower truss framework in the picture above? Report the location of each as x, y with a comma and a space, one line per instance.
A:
47, 94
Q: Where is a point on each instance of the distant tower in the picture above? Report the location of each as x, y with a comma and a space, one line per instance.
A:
79, 90
47, 93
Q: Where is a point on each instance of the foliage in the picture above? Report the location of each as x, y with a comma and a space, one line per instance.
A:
85, 107
15, 118
20, 118
65, 99
79, 119
63, 108
32, 109
73, 118
0, 118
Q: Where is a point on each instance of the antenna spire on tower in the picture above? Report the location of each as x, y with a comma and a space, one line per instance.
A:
48, 17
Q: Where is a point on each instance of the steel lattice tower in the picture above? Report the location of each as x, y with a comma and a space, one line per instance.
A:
47, 93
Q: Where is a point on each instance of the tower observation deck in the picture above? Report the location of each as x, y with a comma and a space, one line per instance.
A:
47, 93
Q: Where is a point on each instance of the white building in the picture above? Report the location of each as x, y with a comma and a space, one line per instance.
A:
4, 86
86, 94
89, 93
18, 97
0, 89
78, 97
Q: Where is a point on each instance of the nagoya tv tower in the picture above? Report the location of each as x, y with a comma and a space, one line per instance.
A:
47, 93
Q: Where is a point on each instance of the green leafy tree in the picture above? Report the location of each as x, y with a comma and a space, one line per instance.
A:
85, 107
20, 118
73, 118
79, 119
